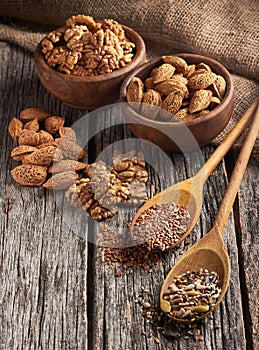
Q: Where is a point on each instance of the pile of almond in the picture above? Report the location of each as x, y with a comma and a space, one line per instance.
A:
48, 151
177, 91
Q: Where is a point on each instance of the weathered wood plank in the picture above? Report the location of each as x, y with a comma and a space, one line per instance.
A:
43, 264
247, 222
44, 273
117, 317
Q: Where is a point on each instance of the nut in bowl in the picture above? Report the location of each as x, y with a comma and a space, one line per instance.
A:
178, 102
85, 62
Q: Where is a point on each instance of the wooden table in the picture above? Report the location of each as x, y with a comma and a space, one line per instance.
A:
56, 294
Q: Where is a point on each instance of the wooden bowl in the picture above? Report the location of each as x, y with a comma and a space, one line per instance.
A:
180, 136
93, 91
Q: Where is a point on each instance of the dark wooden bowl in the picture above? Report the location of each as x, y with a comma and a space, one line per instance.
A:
180, 136
89, 92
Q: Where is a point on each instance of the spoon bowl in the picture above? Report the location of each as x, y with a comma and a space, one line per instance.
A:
210, 253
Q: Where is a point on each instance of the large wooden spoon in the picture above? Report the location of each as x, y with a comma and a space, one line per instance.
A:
189, 193
210, 251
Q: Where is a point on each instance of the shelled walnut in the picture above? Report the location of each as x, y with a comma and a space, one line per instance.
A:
104, 188
85, 47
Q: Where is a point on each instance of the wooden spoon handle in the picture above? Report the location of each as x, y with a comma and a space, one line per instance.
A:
224, 147
237, 175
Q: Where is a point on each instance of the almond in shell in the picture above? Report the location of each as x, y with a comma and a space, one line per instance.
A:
178, 62
61, 181
32, 125
71, 150
29, 138
68, 134
15, 128
183, 115
171, 85
179, 77
45, 137
67, 165
151, 102
201, 81
203, 65
29, 175
214, 102
19, 152
53, 124
46, 144
33, 113
203, 113
149, 83
163, 73
219, 87
172, 103
189, 71
135, 90
200, 100
44, 156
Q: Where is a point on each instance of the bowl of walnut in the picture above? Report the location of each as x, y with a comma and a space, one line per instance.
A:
178, 102
85, 62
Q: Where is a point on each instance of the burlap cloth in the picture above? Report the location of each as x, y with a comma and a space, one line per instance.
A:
226, 30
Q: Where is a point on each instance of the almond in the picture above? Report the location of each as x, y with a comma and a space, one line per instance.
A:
171, 85
149, 83
32, 125
184, 115
15, 128
163, 73
179, 77
58, 140
151, 102
53, 124
214, 102
29, 138
172, 103
201, 81
199, 71
189, 71
67, 165
178, 62
44, 156
45, 137
46, 144
61, 181
19, 152
203, 113
68, 134
33, 113
71, 150
135, 90
29, 175
203, 65
200, 100
219, 87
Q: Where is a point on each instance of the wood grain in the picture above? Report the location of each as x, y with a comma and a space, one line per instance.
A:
43, 263
119, 317
247, 223
55, 293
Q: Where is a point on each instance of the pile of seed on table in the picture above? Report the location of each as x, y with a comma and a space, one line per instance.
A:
161, 226
113, 248
191, 294
157, 230
157, 326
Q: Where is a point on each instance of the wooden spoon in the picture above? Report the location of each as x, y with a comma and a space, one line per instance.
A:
210, 251
189, 193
